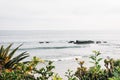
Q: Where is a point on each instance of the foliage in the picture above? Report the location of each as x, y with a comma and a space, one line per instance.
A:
96, 73
45, 72
15, 75
23, 71
109, 64
27, 71
81, 72
12, 69
7, 61
117, 63
116, 72
95, 60
70, 75
114, 78
56, 77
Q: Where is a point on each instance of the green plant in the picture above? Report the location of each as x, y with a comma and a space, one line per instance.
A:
95, 60
93, 73
15, 75
109, 65
114, 78
70, 75
56, 77
12, 69
117, 63
81, 72
7, 61
22, 71
116, 74
96, 71
45, 72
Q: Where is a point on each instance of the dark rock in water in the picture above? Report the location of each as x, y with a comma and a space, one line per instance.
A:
41, 42
83, 42
47, 42
59, 60
71, 42
104, 41
98, 42
44, 42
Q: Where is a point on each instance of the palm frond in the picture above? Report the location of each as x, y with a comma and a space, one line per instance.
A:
6, 57
1, 51
12, 53
6, 51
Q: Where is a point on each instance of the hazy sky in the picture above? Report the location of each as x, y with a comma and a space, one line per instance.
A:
60, 14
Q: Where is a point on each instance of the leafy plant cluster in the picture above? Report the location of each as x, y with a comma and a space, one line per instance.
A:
111, 71
11, 68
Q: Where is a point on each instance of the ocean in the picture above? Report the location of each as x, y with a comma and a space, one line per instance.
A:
55, 44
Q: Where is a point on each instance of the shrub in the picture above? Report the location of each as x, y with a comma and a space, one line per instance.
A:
116, 72
56, 77
45, 72
117, 62
70, 76
111, 70
12, 69
6, 57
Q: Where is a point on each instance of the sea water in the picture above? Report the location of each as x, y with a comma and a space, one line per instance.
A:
54, 44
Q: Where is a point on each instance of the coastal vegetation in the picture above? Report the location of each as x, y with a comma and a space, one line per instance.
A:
13, 68
7, 61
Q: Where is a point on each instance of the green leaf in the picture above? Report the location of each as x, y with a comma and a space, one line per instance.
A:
93, 57
12, 53
99, 59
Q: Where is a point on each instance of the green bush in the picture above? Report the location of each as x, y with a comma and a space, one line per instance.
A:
116, 72
111, 71
27, 71
56, 77
117, 62
7, 61
70, 76
45, 72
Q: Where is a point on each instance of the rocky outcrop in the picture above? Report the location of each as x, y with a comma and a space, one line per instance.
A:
99, 42
81, 42
44, 42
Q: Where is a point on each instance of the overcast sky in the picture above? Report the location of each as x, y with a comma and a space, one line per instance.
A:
60, 14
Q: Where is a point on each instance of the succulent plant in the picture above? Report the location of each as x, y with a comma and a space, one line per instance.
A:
7, 61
